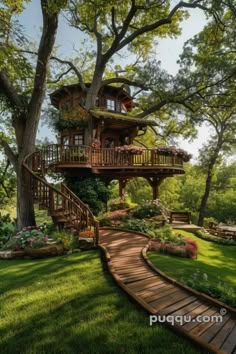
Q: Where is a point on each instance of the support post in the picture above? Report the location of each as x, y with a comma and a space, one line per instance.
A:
122, 185
155, 183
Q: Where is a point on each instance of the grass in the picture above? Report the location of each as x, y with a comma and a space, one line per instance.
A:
70, 305
218, 261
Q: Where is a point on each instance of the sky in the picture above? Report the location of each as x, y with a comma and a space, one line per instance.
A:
167, 51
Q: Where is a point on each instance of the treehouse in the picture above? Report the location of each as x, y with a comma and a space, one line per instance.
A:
101, 142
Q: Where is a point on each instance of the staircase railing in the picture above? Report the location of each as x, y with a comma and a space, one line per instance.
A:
65, 201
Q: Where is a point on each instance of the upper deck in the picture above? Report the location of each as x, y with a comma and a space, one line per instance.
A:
88, 160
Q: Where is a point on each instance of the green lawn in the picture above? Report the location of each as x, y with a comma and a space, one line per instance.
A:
218, 261
69, 304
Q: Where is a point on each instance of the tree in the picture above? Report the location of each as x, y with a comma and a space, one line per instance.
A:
115, 26
208, 61
25, 103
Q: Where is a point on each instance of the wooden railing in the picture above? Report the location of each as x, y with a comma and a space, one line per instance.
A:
63, 202
88, 157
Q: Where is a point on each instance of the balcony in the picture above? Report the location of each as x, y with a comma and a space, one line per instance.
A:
99, 160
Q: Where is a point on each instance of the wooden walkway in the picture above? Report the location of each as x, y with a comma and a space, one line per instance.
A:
125, 254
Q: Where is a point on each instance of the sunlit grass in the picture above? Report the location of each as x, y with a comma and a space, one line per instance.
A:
217, 261
70, 305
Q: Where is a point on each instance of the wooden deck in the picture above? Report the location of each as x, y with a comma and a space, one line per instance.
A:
162, 295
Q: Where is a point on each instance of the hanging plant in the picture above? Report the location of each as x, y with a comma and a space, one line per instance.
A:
173, 151
130, 149
65, 124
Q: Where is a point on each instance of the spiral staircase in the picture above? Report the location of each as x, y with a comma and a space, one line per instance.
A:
65, 208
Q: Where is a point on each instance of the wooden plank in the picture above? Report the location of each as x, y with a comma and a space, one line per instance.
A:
230, 343
150, 290
211, 332
136, 273
164, 302
201, 310
178, 305
186, 309
161, 292
132, 279
202, 327
129, 273
139, 285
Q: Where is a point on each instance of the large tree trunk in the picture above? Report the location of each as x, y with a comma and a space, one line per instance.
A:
205, 196
91, 98
24, 203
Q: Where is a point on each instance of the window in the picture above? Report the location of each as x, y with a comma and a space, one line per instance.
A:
78, 139
111, 105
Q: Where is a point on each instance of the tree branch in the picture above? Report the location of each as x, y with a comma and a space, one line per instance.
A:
9, 153
10, 92
159, 23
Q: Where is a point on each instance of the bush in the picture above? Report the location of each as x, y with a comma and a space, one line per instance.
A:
105, 222
137, 225
188, 249
118, 206
220, 290
91, 191
146, 211
31, 236
7, 228
207, 237
68, 240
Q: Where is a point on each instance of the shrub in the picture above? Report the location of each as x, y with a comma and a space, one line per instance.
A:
91, 191
68, 240
31, 236
137, 225
7, 228
146, 211
176, 245
220, 290
105, 222
118, 206
208, 237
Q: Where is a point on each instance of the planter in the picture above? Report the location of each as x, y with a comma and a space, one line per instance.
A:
43, 252
12, 254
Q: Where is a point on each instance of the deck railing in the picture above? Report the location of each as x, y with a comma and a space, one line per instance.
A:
105, 157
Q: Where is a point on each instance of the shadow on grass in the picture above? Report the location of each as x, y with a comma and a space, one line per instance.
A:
69, 305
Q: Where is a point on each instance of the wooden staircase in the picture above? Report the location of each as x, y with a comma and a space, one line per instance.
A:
65, 208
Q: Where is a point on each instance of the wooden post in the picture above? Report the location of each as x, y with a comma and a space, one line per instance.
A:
155, 183
122, 185
51, 199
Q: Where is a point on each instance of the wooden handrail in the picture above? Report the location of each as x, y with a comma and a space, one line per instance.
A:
106, 157
53, 199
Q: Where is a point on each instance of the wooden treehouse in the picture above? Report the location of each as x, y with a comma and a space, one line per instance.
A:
97, 143
101, 142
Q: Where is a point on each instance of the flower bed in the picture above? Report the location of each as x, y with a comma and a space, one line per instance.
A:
173, 151
129, 149
188, 249
31, 241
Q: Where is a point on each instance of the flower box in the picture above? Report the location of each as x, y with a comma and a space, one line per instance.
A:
49, 250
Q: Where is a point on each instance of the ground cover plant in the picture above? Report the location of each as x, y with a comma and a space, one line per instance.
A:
215, 260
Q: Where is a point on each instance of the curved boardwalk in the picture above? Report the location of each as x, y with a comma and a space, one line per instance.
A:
159, 295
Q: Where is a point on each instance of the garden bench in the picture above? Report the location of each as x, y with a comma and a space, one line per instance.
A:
180, 216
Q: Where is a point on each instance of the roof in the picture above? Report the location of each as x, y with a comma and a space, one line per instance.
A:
102, 114
65, 90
